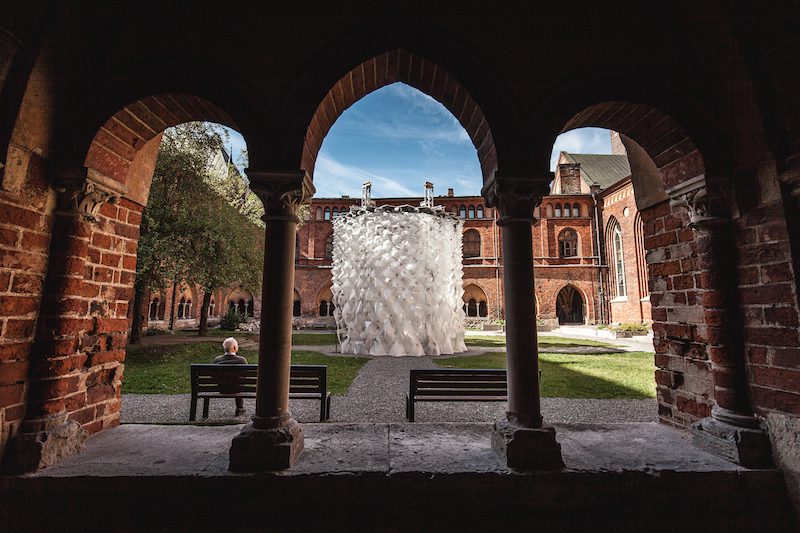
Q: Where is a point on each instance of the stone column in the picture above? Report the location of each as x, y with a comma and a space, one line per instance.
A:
274, 440
46, 435
522, 441
732, 431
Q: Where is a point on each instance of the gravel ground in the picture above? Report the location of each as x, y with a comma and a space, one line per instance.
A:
378, 395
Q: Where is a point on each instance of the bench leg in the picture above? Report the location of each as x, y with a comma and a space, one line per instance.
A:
409, 409
205, 408
325, 408
193, 410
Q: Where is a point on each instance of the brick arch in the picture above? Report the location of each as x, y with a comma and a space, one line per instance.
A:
661, 138
401, 66
114, 147
571, 289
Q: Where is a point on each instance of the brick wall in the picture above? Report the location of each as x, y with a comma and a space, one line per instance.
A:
25, 223
683, 376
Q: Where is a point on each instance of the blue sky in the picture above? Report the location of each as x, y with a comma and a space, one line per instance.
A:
398, 137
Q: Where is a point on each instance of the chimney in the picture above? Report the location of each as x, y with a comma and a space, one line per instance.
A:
570, 178
450, 192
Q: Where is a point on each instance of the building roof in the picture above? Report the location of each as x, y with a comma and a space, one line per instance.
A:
602, 169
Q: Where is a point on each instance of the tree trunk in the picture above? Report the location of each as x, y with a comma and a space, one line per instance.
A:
202, 330
172, 305
137, 319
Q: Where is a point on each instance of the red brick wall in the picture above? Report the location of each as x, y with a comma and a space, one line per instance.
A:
769, 301
683, 376
615, 202
25, 223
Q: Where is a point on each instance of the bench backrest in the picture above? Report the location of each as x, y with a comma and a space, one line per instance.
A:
236, 379
458, 382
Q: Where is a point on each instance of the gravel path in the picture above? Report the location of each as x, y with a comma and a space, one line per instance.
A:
378, 395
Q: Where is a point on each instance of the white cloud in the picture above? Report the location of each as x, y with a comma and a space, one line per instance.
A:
333, 178
581, 141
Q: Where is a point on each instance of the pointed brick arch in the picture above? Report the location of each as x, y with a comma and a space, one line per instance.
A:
115, 145
659, 135
418, 72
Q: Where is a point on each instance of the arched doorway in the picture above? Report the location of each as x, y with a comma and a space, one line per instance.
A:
569, 306
475, 302
325, 301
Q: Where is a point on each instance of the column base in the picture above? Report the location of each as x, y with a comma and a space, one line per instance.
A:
34, 448
524, 448
266, 449
737, 438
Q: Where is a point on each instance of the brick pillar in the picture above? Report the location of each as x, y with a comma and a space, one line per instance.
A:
521, 440
47, 435
274, 440
732, 431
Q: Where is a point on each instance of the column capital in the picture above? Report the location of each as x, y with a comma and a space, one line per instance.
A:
693, 194
515, 198
282, 193
83, 191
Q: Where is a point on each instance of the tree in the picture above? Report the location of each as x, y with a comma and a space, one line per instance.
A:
188, 231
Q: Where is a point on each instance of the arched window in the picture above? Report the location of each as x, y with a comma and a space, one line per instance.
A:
472, 211
318, 214
329, 247
181, 308
324, 307
250, 309
568, 243
558, 210
472, 307
327, 213
567, 210
241, 308
618, 259
335, 212
549, 211
641, 261
483, 309
152, 313
576, 210
462, 211
471, 243
479, 213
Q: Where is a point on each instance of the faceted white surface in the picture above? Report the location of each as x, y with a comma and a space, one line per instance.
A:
397, 281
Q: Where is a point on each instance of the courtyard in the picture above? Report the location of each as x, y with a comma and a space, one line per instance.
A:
583, 380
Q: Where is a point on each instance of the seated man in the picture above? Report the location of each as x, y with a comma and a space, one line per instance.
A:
230, 357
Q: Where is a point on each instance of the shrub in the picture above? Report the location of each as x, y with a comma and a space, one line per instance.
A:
150, 332
633, 327
230, 320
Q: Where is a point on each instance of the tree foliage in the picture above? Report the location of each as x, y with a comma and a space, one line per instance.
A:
193, 227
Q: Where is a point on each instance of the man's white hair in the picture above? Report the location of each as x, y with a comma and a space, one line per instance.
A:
228, 343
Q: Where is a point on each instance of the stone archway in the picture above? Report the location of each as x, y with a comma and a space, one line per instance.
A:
570, 308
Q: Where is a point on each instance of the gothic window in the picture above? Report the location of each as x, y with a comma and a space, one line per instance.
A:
641, 262
472, 307
576, 210
329, 247
472, 211
483, 309
619, 261
324, 308
249, 311
181, 308
318, 215
240, 307
462, 211
558, 210
479, 214
335, 212
471, 243
567, 210
327, 213
568, 243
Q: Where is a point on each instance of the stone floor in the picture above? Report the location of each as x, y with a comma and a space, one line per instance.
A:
396, 477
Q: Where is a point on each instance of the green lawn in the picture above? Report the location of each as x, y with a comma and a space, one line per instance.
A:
165, 369
626, 375
313, 339
483, 341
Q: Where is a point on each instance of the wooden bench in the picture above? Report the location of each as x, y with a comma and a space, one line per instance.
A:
455, 385
209, 381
